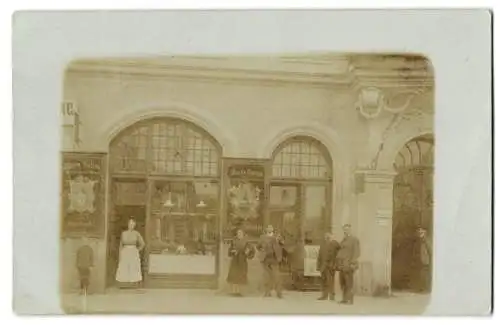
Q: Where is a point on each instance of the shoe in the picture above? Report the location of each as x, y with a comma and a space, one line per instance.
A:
343, 302
332, 298
267, 294
323, 298
238, 294
279, 295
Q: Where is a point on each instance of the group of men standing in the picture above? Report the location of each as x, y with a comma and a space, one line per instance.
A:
338, 257
333, 257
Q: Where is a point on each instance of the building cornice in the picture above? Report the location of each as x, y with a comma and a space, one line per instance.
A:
210, 73
323, 71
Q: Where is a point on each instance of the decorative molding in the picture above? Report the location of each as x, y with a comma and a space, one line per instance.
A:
209, 73
199, 117
326, 70
372, 101
408, 111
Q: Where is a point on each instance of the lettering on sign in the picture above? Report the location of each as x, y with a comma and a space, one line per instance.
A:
247, 171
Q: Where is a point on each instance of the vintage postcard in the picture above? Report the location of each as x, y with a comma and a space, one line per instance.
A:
279, 182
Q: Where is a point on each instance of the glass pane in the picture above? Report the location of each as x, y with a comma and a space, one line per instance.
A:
184, 218
300, 158
285, 216
284, 208
175, 147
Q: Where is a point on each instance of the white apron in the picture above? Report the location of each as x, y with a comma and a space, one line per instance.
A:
129, 265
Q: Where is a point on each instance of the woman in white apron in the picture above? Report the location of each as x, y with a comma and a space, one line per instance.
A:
129, 264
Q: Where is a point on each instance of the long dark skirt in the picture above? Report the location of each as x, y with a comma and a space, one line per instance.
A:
238, 270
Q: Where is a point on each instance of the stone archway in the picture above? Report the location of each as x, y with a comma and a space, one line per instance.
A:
165, 172
338, 157
412, 208
178, 110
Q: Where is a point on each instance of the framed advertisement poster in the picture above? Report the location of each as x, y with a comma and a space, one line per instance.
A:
310, 258
245, 196
83, 194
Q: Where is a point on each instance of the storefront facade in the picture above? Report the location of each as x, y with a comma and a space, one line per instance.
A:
194, 153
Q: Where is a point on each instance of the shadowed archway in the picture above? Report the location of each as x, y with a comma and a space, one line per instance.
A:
412, 208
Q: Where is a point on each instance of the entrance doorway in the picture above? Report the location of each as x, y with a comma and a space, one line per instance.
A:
412, 209
124, 207
300, 206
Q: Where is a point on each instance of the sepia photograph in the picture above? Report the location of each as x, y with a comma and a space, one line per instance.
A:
306, 178
189, 163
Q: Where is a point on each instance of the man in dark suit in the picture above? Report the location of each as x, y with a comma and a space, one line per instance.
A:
270, 257
347, 264
422, 255
326, 265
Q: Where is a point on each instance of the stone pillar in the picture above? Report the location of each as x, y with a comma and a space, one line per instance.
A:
374, 230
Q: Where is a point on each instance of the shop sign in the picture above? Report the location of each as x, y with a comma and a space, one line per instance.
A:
246, 171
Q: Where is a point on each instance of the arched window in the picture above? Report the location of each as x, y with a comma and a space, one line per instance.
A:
165, 172
412, 206
301, 190
301, 158
165, 146
418, 152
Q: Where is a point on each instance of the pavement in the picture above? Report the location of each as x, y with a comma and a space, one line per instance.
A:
194, 301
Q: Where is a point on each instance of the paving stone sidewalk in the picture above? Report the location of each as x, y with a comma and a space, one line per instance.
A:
177, 301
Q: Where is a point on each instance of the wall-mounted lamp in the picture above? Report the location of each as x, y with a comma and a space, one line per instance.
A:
168, 203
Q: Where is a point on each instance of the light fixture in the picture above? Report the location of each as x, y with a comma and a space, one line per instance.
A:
168, 203
201, 204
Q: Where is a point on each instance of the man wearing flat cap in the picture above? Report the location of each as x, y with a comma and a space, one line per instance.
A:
347, 264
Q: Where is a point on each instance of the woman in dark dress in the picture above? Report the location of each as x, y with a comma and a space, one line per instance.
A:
239, 251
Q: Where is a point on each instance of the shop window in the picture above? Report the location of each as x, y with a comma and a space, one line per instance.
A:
129, 153
183, 218
179, 164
